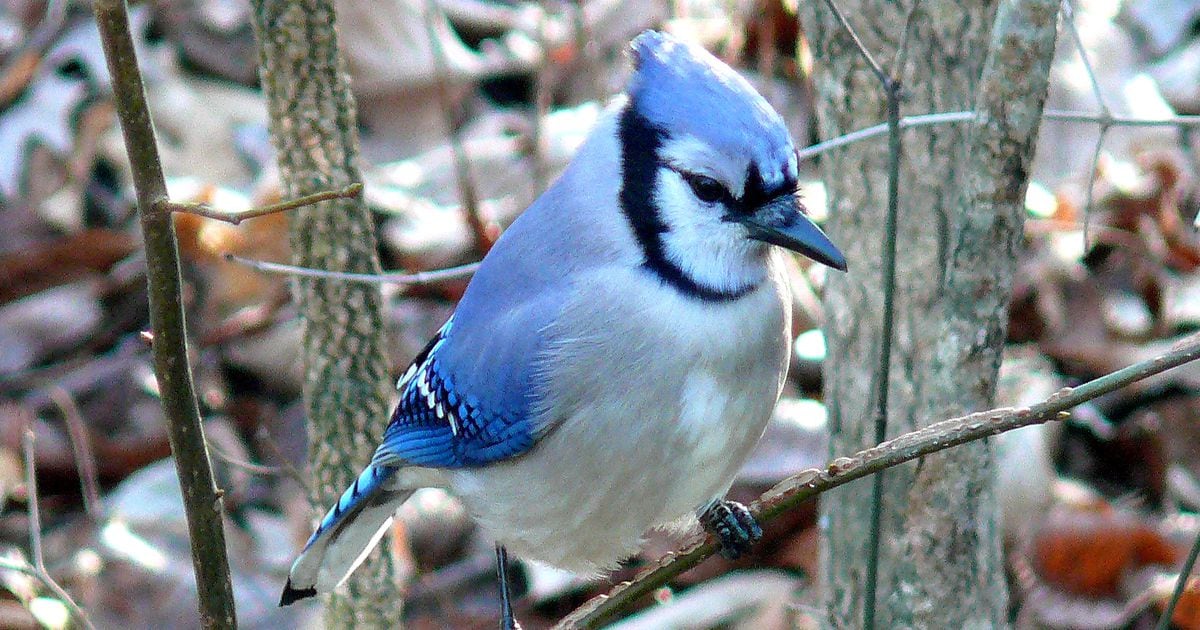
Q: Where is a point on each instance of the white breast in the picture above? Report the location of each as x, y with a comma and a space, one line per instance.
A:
659, 399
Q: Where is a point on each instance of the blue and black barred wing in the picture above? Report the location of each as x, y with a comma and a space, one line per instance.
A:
437, 425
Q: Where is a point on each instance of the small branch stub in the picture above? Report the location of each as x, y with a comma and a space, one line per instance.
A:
204, 210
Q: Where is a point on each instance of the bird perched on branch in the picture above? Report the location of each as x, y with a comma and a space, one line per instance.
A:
621, 348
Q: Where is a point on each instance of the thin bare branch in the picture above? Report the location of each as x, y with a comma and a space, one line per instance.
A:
8, 564
202, 502
1090, 188
882, 376
905, 37
250, 467
907, 122
205, 210
892, 89
1068, 14
483, 234
866, 54
265, 440
35, 515
1121, 121
81, 447
925, 120
793, 491
35, 533
1185, 576
420, 278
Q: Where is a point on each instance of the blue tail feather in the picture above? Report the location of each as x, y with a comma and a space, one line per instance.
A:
367, 482
350, 529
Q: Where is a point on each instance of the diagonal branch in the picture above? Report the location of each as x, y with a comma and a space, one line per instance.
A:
791, 492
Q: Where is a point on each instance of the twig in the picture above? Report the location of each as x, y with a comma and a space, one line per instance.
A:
264, 438
85, 459
1068, 13
420, 278
205, 210
1090, 189
892, 89
1121, 121
906, 37
8, 564
1185, 575
35, 533
541, 106
250, 467
202, 503
883, 374
925, 120
908, 122
791, 492
35, 514
866, 54
482, 233
1105, 116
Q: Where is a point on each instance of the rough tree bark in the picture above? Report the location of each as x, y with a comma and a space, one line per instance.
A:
960, 222
347, 383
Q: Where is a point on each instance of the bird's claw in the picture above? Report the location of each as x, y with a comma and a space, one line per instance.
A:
734, 527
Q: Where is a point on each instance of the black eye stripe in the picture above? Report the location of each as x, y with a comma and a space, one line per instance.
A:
706, 188
641, 164
709, 190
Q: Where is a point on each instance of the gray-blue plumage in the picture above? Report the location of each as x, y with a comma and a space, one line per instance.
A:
698, 95
620, 349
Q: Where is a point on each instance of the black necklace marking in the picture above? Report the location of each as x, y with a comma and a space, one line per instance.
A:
640, 143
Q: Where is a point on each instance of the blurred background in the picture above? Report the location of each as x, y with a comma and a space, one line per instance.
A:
1098, 511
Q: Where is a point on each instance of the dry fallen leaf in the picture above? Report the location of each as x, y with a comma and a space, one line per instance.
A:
1088, 551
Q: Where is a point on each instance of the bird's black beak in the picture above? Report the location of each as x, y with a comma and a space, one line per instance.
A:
781, 221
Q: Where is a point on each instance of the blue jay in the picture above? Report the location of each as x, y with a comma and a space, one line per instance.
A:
620, 350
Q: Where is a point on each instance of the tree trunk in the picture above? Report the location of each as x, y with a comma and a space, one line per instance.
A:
960, 221
347, 382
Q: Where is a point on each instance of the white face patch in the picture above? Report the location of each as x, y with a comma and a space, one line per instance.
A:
711, 250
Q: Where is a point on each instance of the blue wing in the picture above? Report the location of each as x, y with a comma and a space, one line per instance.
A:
437, 424
474, 395
460, 406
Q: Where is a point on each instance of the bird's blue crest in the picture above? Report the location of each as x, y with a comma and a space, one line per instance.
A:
683, 88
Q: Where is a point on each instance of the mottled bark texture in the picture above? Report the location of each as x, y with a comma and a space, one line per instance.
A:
347, 383
960, 222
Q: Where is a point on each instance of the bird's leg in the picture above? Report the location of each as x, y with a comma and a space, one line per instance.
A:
733, 525
507, 621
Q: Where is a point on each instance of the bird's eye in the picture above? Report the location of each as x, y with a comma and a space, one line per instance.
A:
706, 188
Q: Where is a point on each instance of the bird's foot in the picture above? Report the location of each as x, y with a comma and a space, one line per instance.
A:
733, 525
